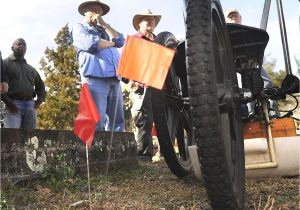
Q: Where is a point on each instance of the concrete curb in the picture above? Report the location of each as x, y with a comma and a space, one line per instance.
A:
26, 154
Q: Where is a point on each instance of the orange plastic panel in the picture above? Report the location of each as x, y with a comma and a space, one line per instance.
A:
145, 62
280, 128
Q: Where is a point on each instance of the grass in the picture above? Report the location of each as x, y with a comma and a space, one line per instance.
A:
149, 186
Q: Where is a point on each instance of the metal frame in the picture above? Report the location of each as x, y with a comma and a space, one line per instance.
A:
273, 163
264, 21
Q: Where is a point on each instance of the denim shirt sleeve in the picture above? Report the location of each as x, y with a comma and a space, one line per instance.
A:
83, 39
121, 38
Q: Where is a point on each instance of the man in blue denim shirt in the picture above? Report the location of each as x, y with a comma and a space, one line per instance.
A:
96, 43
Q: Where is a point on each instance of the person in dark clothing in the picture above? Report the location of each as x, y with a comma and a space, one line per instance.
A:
25, 84
233, 16
141, 110
4, 84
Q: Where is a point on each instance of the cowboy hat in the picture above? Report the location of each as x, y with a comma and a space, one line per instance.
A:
104, 7
138, 17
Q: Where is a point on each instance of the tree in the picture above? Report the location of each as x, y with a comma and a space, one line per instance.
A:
62, 83
276, 77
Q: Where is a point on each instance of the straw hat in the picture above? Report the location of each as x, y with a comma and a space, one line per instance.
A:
104, 7
147, 12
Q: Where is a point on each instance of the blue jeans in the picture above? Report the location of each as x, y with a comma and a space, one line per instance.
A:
108, 97
25, 118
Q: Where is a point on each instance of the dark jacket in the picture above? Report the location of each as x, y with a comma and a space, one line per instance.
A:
3, 70
24, 81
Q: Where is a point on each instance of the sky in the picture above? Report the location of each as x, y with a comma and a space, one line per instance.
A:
38, 22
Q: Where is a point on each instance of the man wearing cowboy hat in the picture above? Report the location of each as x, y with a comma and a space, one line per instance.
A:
96, 43
144, 23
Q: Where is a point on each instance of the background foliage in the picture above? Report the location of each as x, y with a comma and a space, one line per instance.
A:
62, 83
276, 77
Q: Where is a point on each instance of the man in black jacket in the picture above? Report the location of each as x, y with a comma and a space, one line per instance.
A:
25, 84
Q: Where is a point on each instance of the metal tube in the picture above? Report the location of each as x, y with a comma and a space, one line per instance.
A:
265, 15
284, 41
270, 137
273, 163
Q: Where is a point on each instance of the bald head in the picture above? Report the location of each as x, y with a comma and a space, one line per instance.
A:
19, 48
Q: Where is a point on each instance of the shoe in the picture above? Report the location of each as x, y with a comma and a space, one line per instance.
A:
157, 157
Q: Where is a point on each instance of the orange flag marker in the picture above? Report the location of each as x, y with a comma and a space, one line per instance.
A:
145, 62
87, 118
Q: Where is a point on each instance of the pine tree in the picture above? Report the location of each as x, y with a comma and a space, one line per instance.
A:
62, 83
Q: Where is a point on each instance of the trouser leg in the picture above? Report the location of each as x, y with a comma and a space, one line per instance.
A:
143, 120
13, 120
115, 109
29, 118
99, 89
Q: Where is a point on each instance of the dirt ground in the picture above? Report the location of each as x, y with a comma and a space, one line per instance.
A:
149, 186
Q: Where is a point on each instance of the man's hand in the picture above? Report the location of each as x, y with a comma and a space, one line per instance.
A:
12, 107
100, 20
37, 104
135, 85
4, 87
126, 81
94, 19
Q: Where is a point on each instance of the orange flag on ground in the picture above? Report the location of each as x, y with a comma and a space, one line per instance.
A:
145, 62
87, 118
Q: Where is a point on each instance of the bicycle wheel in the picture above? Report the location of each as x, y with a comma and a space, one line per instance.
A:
172, 116
215, 106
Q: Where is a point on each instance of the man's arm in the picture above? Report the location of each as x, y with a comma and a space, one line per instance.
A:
9, 103
3, 72
109, 30
117, 42
105, 44
40, 90
115, 36
84, 40
4, 79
